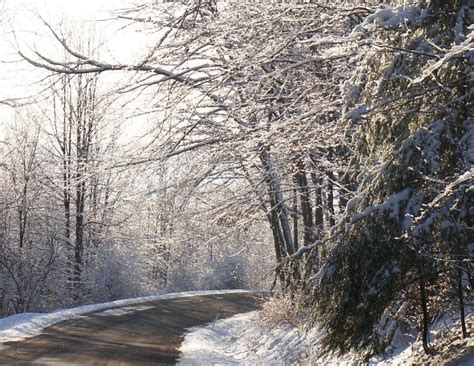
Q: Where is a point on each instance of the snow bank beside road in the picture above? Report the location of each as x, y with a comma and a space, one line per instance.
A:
242, 340
21, 326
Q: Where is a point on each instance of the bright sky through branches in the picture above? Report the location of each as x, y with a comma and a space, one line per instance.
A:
21, 27
70, 8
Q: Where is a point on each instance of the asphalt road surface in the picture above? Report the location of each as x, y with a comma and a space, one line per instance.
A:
143, 334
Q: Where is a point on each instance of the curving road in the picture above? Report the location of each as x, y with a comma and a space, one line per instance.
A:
144, 334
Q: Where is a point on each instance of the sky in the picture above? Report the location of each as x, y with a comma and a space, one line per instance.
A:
23, 17
72, 8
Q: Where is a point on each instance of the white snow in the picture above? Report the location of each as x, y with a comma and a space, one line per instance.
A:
392, 205
463, 49
356, 113
21, 326
236, 340
124, 310
392, 18
243, 340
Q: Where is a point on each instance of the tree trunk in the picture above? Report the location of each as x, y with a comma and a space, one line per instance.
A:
276, 196
461, 305
295, 218
344, 180
306, 209
424, 310
330, 199
318, 212
277, 240
79, 243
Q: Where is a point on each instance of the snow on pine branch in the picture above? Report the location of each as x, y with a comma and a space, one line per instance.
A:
391, 18
464, 49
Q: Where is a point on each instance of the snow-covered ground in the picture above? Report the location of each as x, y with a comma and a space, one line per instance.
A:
21, 326
243, 340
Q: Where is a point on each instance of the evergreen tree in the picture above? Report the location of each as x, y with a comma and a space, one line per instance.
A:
409, 229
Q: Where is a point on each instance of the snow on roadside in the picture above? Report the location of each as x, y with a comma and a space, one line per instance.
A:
21, 326
243, 340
